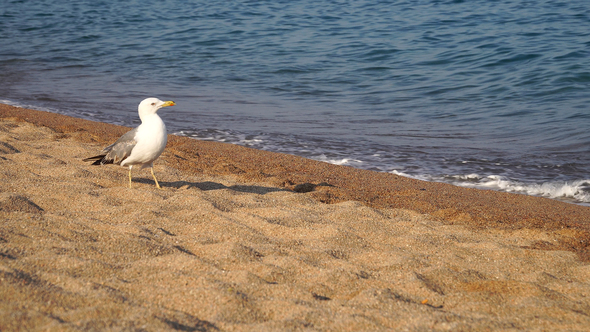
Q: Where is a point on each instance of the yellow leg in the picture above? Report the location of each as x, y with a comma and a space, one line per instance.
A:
129, 177
154, 175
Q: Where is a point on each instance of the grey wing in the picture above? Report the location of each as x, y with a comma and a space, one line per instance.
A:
121, 149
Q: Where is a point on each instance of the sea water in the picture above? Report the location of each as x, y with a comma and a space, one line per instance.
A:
484, 94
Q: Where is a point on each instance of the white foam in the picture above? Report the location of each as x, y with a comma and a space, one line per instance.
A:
343, 161
28, 106
404, 174
250, 141
472, 176
578, 190
16, 104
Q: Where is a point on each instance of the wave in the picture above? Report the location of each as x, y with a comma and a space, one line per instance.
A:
339, 161
576, 191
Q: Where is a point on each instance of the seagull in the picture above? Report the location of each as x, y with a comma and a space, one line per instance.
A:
140, 146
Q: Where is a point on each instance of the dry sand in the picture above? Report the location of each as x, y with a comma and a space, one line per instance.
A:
243, 240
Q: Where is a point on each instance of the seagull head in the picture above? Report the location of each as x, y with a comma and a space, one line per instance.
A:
152, 105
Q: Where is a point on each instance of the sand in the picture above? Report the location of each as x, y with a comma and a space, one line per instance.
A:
244, 240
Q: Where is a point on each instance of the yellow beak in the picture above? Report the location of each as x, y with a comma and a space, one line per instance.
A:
168, 103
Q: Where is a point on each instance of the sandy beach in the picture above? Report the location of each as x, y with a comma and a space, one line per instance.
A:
245, 240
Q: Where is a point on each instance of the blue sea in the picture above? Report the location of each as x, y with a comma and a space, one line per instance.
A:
482, 93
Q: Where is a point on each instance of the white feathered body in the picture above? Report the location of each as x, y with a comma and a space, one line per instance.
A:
151, 138
141, 146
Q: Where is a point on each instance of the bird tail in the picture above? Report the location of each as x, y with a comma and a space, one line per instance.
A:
98, 160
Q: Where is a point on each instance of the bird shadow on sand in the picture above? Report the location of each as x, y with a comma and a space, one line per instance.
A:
209, 185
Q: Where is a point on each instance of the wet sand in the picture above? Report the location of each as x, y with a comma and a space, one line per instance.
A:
240, 239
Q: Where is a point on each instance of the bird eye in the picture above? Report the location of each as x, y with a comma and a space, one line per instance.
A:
153, 104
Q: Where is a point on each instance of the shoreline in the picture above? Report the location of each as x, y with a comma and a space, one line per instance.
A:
241, 239
330, 183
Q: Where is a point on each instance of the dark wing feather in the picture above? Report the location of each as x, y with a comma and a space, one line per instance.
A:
116, 152
98, 160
